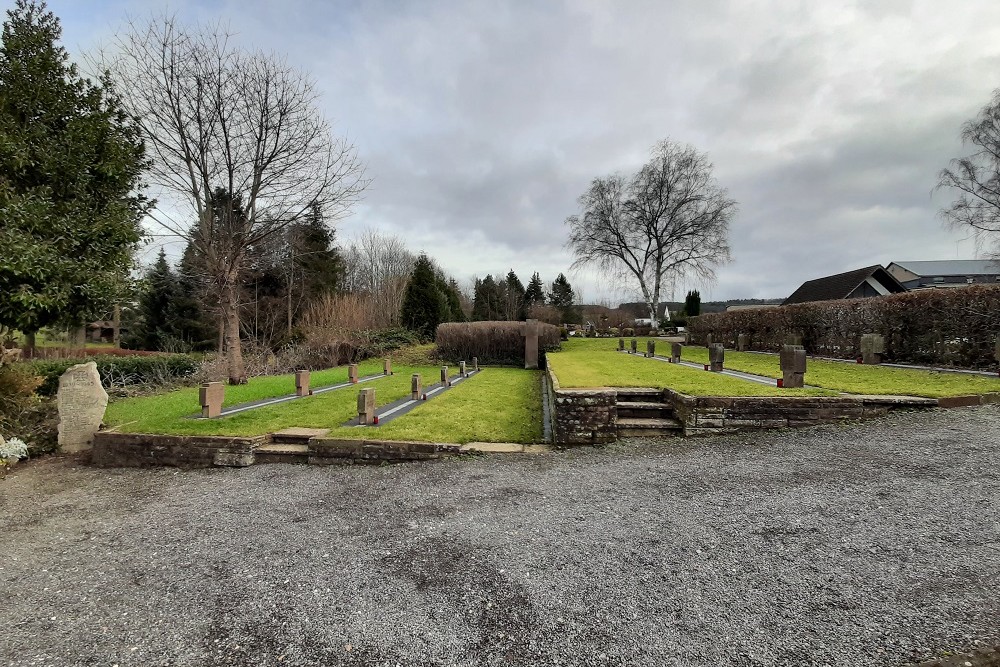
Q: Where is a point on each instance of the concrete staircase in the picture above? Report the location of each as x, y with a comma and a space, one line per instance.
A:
642, 413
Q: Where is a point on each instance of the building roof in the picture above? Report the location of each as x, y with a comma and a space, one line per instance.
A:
952, 267
842, 284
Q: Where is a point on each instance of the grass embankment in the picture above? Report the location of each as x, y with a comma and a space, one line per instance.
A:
858, 378
500, 405
596, 362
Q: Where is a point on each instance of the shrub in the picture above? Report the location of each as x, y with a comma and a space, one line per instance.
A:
22, 413
628, 332
117, 371
944, 327
491, 342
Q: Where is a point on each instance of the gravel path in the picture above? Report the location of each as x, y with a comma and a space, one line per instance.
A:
872, 544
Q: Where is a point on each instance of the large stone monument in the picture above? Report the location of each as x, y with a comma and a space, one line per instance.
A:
675, 353
741, 343
82, 402
366, 406
872, 348
531, 344
416, 387
302, 383
650, 348
793, 366
210, 396
716, 357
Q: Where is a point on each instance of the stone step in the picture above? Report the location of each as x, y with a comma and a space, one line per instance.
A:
638, 394
627, 409
647, 427
282, 453
297, 436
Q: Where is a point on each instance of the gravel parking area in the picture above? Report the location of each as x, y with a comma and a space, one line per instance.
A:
871, 544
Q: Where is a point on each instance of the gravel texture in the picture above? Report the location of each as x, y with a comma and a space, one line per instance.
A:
871, 544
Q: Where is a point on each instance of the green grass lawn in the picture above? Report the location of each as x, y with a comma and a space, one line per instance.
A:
596, 362
857, 378
500, 405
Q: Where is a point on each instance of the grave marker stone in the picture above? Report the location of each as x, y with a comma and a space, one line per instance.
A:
211, 395
82, 402
444, 376
650, 348
621, 344
352, 373
793, 366
366, 406
301, 383
387, 367
531, 344
461, 369
708, 341
675, 353
872, 348
634, 346
741, 343
716, 357
475, 363
416, 387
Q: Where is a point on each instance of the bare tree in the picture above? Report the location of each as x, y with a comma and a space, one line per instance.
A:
379, 265
976, 177
237, 137
670, 219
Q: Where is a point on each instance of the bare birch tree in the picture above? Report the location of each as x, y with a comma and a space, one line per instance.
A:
670, 219
237, 137
379, 265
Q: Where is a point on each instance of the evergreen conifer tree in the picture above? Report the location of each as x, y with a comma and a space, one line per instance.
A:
562, 298
423, 304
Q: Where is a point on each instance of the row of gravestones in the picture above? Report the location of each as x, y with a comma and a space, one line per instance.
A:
872, 345
366, 397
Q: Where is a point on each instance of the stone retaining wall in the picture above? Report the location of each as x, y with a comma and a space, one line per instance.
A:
141, 450
339, 452
585, 416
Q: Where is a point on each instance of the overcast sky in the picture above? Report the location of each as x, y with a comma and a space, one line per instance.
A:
482, 122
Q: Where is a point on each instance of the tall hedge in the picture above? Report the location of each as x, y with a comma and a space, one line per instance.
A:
491, 342
956, 327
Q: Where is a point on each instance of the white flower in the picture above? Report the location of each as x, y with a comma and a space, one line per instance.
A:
13, 449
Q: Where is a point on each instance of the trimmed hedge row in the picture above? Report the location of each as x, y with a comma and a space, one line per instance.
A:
947, 327
491, 342
117, 371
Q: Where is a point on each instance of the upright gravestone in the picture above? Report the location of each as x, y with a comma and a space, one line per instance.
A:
650, 348
687, 337
301, 383
675, 353
387, 366
210, 396
475, 363
634, 345
444, 376
716, 357
531, 344
872, 348
741, 343
461, 369
708, 341
82, 402
366, 406
793, 366
621, 344
416, 387
352, 373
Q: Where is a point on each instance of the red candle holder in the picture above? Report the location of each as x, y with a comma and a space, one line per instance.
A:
781, 383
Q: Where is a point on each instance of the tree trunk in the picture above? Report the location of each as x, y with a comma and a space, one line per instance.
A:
231, 323
29, 344
118, 326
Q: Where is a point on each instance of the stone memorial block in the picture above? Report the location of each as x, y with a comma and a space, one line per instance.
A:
793, 339
352, 373
793, 366
416, 387
621, 344
741, 343
708, 341
531, 344
461, 369
387, 367
675, 353
444, 376
687, 337
872, 348
82, 401
366, 406
301, 383
650, 348
716, 357
475, 363
211, 395
634, 346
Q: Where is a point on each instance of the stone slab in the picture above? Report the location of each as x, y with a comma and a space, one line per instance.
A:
81, 402
298, 432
